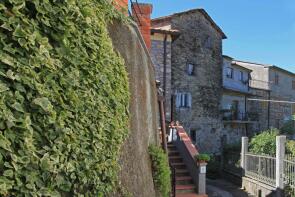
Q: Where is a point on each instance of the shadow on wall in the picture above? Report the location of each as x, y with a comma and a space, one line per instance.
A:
136, 172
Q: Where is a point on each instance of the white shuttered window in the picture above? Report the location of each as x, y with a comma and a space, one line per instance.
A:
183, 100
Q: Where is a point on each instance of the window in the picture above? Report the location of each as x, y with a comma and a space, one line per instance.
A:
230, 72
276, 79
190, 69
277, 123
293, 85
183, 100
241, 76
193, 135
208, 42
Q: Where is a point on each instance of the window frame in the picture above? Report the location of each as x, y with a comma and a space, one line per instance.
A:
188, 69
230, 72
293, 84
241, 76
277, 79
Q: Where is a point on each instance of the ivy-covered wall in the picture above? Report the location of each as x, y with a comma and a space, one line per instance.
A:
63, 99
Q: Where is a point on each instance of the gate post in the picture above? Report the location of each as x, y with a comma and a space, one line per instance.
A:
244, 151
280, 156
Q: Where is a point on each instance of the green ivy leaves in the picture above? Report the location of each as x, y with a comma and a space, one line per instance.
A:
63, 99
161, 170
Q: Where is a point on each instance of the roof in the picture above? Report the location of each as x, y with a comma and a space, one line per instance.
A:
202, 11
242, 67
227, 57
267, 66
165, 30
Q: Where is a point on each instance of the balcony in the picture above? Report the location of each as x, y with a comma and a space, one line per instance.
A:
254, 83
230, 116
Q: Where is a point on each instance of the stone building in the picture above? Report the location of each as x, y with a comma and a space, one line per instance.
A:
238, 118
190, 69
276, 90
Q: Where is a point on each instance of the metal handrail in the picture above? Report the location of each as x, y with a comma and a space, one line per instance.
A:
173, 180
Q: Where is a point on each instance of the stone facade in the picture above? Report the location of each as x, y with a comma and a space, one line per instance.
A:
261, 108
157, 54
198, 48
274, 84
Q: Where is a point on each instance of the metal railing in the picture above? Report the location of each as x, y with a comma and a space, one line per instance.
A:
240, 116
289, 174
173, 180
261, 168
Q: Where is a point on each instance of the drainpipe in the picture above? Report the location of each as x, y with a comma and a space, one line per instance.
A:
165, 63
268, 111
165, 69
161, 101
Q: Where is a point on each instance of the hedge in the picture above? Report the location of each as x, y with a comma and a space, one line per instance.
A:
161, 170
63, 98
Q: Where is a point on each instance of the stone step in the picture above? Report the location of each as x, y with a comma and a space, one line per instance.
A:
181, 172
180, 165
181, 189
173, 153
170, 145
190, 195
175, 159
183, 180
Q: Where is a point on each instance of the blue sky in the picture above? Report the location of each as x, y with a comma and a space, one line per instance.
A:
260, 31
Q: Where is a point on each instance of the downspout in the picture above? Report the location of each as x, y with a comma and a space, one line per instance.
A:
268, 111
165, 64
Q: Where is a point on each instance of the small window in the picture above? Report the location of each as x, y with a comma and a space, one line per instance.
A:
183, 100
276, 79
208, 42
293, 84
278, 123
241, 76
229, 72
190, 69
193, 135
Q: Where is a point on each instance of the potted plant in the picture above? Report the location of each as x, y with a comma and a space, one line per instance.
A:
202, 158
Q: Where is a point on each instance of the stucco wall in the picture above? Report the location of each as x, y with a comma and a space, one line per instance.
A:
136, 172
235, 83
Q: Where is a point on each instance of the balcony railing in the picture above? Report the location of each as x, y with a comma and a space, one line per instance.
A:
229, 115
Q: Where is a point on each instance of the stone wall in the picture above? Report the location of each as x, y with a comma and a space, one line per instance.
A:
136, 172
261, 108
201, 45
157, 54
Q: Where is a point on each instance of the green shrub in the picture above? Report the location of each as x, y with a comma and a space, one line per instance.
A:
290, 147
63, 99
264, 143
203, 157
161, 170
288, 127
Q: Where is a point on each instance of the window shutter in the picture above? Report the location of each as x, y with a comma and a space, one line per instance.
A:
189, 100
182, 100
178, 100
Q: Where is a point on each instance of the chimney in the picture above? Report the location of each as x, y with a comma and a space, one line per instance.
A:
122, 6
141, 13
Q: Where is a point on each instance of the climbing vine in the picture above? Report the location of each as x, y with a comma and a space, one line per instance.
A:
63, 98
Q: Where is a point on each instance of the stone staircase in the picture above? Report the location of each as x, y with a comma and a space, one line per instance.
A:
184, 182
